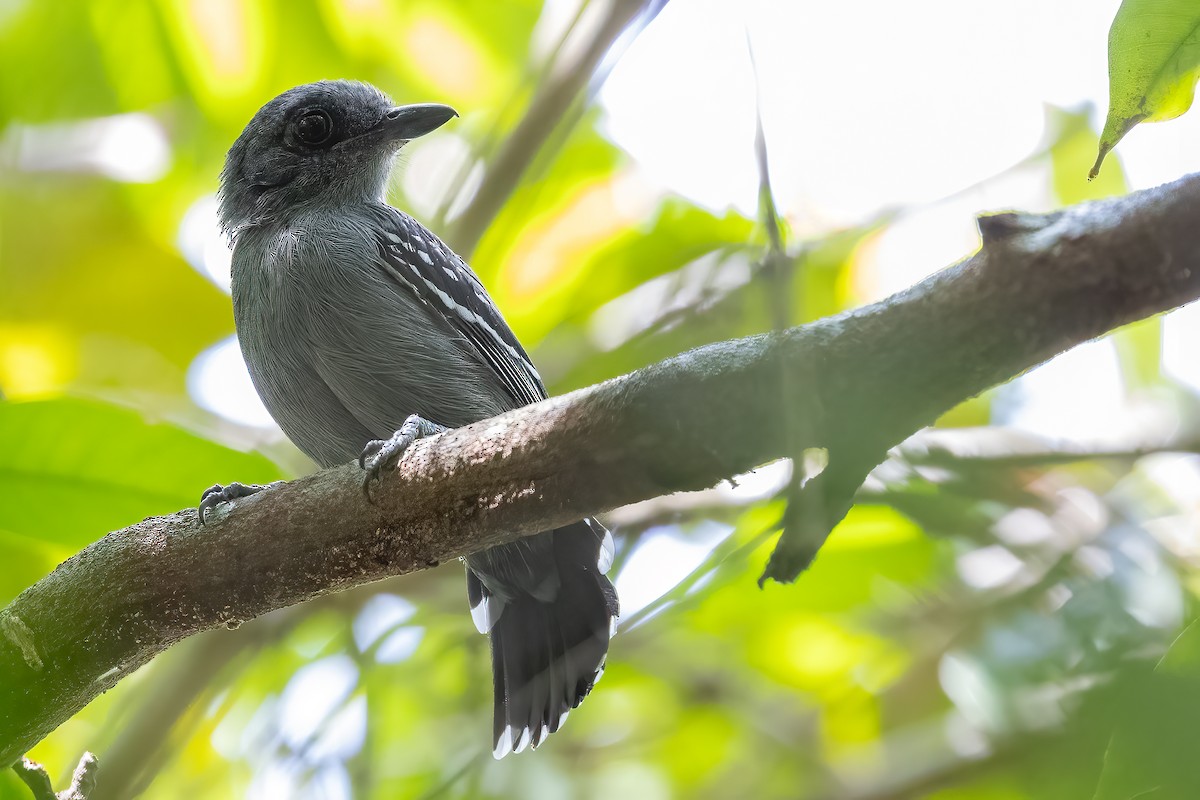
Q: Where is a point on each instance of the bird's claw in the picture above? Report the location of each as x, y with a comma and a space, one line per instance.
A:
381, 454
216, 494
370, 451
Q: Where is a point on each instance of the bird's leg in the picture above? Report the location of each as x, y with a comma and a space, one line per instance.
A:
381, 454
216, 494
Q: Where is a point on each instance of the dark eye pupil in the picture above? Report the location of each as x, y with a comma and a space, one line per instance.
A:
314, 128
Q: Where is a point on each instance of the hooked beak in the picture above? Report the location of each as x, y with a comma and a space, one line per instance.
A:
409, 122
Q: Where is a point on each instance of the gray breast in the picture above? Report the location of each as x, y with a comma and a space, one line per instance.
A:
339, 352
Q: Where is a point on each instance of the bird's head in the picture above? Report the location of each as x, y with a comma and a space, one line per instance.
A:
321, 144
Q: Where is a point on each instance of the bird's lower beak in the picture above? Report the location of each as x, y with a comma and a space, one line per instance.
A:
409, 122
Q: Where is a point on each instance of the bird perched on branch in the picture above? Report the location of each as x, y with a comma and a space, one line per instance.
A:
363, 332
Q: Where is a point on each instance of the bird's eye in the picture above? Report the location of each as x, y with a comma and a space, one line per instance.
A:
314, 128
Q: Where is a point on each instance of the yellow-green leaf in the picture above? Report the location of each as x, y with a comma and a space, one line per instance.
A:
1153, 64
73, 469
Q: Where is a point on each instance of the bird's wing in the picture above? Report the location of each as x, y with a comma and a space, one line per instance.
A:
424, 265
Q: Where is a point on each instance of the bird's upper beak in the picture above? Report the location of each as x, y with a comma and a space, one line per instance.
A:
409, 122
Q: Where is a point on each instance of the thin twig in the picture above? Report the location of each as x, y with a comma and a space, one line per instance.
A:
34, 775
83, 781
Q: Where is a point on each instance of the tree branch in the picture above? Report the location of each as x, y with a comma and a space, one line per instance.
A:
1040, 285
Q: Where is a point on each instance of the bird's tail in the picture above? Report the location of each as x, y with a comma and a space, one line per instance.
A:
547, 654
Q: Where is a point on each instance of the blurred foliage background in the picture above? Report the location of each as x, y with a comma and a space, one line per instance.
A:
985, 624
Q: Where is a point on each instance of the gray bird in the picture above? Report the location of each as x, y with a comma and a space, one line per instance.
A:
363, 331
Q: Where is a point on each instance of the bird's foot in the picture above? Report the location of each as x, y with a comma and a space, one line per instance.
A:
217, 494
381, 454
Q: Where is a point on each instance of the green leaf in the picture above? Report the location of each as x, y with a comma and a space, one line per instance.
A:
1153, 64
1153, 752
74, 469
11, 787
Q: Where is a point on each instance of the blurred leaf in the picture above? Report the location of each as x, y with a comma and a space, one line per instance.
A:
222, 47
1153, 753
694, 751
69, 77
469, 52
711, 298
76, 469
539, 241
872, 546
11, 787
677, 234
112, 301
1073, 146
980, 792
1139, 347
1153, 64
971, 413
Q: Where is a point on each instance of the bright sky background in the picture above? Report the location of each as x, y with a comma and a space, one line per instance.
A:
866, 104
870, 105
